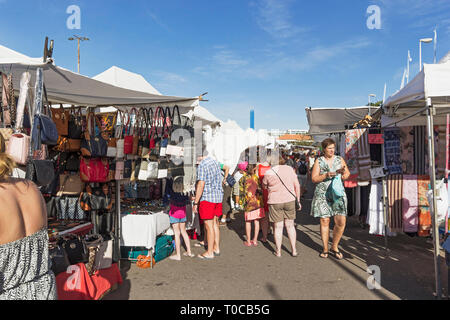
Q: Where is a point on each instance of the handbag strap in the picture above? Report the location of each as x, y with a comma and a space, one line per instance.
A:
177, 109
284, 184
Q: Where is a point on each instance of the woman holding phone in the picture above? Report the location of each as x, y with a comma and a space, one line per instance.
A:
324, 170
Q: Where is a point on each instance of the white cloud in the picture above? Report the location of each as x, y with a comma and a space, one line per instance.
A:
274, 17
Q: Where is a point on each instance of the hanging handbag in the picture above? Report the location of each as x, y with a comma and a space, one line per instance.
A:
143, 174
98, 198
175, 147
75, 123
75, 249
142, 130
131, 140
298, 207
155, 138
127, 169
23, 97
163, 167
69, 209
93, 145
120, 142
148, 114
41, 172
143, 190
94, 170
166, 131
44, 129
71, 163
112, 148
65, 144
61, 119
119, 170
130, 190
107, 121
70, 185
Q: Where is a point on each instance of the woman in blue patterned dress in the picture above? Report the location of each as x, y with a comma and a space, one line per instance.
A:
325, 169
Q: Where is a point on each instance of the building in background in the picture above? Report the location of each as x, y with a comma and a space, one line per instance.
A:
278, 133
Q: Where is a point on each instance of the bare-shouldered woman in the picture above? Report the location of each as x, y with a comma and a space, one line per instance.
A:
24, 259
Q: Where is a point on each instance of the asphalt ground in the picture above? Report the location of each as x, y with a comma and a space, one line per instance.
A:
254, 273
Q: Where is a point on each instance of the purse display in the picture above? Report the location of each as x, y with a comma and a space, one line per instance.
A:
69, 208
131, 140
75, 124
70, 185
98, 198
119, 170
118, 135
93, 145
18, 148
65, 144
94, 170
148, 114
41, 172
58, 257
76, 249
61, 119
44, 129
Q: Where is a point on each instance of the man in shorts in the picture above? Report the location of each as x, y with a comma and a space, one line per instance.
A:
208, 203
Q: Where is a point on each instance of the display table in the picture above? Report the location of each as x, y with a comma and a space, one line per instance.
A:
76, 284
142, 230
59, 230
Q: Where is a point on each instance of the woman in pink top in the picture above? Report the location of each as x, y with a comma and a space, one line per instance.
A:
284, 188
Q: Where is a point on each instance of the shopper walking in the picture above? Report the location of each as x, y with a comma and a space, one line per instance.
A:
282, 184
252, 200
264, 222
208, 202
302, 173
323, 206
226, 202
242, 167
25, 272
177, 216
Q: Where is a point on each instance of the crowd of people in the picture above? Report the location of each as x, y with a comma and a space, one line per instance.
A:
268, 193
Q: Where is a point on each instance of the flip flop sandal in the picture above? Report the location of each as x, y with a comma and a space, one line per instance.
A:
247, 244
255, 243
204, 258
323, 253
275, 254
188, 255
216, 254
336, 253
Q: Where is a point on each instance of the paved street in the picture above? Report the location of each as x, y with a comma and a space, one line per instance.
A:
243, 273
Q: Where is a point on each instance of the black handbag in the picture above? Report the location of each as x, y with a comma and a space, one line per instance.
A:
69, 209
143, 190
44, 129
75, 124
41, 172
98, 198
75, 249
51, 203
127, 167
59, 258
72, 163
176, 168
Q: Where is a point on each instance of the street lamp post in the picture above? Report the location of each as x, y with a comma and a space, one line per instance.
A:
370, 95
425, 40
78, 39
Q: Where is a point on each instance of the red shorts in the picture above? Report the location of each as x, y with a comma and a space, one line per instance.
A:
208, 210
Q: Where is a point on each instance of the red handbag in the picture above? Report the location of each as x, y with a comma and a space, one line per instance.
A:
129, 140
94, 170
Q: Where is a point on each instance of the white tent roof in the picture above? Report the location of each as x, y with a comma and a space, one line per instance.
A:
201, 113
335, 119
432, 82
64, 86
125, 79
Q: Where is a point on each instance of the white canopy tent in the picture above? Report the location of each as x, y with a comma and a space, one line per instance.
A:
125, 79
230, 141
424, 101
66, 87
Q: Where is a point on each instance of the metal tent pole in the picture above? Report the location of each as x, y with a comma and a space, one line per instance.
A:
383, 161
433, 204
118, 220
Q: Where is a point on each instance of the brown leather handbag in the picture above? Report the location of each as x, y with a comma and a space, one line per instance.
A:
68, 145
61, 118
70, 185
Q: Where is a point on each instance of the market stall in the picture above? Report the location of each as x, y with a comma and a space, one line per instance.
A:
87, 162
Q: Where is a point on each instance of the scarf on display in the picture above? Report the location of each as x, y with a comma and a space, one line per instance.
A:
423, 182
407, 149
375, 217
364, 156
410, 204
6, 95
392, 150
441, 152
420, 149
351, 156
395, 194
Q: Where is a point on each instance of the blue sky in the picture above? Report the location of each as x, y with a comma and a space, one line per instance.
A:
276, 56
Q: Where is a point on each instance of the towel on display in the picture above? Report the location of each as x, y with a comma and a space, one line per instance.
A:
410, 204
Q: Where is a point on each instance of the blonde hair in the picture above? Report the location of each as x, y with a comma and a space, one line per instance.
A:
7, 165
